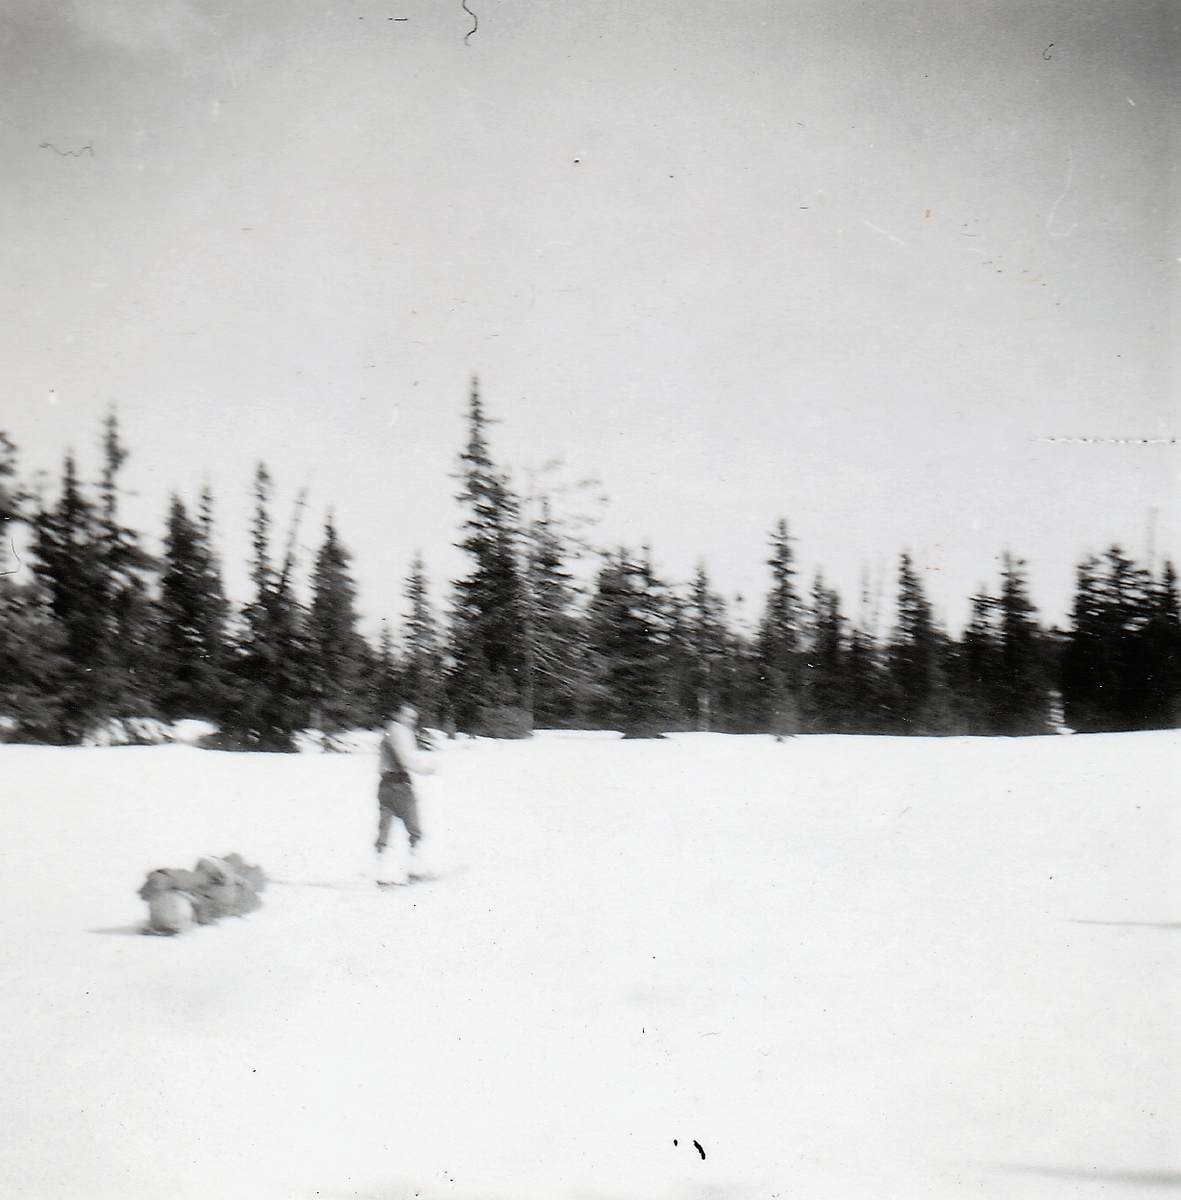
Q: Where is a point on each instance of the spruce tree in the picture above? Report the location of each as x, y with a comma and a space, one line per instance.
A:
215, 611
337, 653
34, 673
743, 680
68, 564
978, 666
779, 641
127, 570
12, 497
708, 648
271, 693
422, 671
633, 623
1021, 702
32, 669
558, 685
918, 698
1129, 591
1162, 652
862, 667
1087, 671
1104, 670
193, 612
96, 580
488, 636
385, 679
825, 699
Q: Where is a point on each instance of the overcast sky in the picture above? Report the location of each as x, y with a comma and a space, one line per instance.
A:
852, 264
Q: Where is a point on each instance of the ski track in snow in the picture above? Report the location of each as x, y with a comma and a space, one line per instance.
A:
845, 968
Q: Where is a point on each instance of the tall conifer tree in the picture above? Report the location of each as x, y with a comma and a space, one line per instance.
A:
1109, 670
558, 674
12, 497
978, 665
422, 672
68, 562
825, 685
862, 668
338, 654
1021, 702
193, 613
124, 598
633, 624
1162, 652
272, 692
385, 685
488, 642
32, 669
779, 641
708, 656
918, 695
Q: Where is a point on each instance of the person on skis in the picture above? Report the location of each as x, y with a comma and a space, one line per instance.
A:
399, 757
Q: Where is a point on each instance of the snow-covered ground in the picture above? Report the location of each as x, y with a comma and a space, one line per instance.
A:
846, 968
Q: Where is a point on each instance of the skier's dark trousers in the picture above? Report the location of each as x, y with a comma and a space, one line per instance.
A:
395, 798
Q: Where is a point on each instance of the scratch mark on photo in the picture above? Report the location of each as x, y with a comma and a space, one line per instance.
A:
1054, 206
18, 560
1113, 441
885, 233
87, 149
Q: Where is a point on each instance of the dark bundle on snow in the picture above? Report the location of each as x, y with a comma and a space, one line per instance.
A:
216, 888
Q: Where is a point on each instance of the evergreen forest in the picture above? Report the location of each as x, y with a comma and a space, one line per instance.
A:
543, 631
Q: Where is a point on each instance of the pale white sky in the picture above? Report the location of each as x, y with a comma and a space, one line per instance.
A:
845, 263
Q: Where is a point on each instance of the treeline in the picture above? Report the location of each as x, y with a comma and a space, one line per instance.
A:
104, 632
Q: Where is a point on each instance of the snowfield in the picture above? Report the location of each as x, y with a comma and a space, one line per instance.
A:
846, 968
